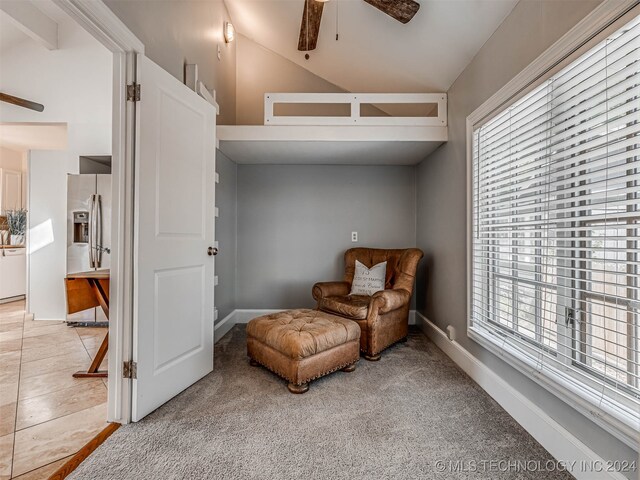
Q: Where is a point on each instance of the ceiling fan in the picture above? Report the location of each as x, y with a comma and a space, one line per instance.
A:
21, 102
402, 10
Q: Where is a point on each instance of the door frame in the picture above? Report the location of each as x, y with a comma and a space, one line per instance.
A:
97, 19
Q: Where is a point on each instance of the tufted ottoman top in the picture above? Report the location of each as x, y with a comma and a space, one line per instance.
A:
302, 333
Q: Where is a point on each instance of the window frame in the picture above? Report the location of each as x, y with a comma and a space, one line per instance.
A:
605, 19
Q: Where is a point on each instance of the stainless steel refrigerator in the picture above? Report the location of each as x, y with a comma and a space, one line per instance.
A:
88, 230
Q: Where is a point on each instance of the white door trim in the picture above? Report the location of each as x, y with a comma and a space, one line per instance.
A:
95, 17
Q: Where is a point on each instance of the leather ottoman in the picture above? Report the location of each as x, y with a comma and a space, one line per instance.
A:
302, 345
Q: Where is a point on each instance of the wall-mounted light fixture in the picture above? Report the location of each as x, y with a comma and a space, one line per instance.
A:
229, 32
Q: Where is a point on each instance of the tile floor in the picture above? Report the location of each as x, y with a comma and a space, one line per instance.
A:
46, 415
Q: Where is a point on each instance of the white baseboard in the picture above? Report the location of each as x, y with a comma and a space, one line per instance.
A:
558, 441
236, 317
242, 315
246, 315
13, 299
223, 326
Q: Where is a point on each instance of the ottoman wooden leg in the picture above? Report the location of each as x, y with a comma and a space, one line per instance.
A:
298, 388
253, 363
373, 358
349, 368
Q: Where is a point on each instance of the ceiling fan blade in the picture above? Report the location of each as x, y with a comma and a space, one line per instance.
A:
401, 10
310, 26
21, 102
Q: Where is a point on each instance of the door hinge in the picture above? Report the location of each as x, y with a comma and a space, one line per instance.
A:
130, 369
133, 92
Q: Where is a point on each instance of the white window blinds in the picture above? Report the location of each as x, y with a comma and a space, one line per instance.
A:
556, 228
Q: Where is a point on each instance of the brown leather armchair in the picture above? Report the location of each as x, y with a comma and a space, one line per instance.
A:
384, 316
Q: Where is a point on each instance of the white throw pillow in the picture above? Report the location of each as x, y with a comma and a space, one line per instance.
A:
367, 281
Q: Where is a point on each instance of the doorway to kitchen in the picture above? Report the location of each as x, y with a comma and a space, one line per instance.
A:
53, 323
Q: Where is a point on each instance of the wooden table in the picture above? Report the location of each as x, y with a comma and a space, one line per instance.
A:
88, 290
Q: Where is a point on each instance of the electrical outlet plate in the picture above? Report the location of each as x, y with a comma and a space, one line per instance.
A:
354, 236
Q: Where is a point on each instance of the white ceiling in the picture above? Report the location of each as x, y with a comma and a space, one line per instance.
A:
33, 136
376, 53
10, 35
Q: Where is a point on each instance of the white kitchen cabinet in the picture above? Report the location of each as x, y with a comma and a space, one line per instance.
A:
11, 189
13, 272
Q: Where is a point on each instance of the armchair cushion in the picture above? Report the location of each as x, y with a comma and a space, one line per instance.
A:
351, 306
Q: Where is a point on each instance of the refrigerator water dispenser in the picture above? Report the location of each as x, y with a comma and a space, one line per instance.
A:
80, 227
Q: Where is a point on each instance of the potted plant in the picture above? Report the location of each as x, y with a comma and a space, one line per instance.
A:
17, 221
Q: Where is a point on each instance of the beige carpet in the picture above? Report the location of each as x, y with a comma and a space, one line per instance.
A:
412, 415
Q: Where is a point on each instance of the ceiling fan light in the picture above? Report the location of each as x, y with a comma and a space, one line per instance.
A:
229, 32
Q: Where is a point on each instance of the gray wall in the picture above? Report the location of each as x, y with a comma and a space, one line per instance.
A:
259, 71
175, 32
441, 185
226, 229
295, 222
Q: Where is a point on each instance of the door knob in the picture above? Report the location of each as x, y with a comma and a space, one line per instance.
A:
212, 251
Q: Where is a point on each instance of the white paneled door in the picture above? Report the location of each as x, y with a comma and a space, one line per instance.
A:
174, 222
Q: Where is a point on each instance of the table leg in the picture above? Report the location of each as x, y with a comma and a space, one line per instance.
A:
93, 371
97, 360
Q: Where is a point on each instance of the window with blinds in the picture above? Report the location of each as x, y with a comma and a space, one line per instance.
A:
555, 260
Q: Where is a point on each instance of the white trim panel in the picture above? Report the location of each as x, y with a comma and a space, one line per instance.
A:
204, 93
103, 24
330, 133
355, 101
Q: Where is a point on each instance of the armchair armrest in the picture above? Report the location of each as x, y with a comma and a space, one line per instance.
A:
327, 289
389, 300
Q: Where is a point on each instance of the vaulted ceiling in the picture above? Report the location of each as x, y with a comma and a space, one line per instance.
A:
376, 53
10, 35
